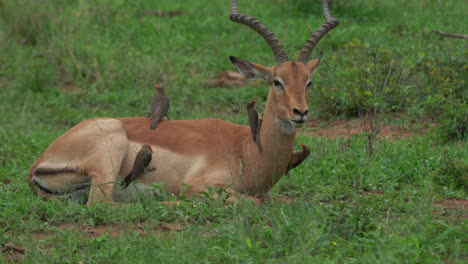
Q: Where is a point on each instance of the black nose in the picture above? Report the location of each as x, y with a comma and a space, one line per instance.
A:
298, 112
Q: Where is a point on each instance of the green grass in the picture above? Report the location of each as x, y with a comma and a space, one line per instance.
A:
342, 206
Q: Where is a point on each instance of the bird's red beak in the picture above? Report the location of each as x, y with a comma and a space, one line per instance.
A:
156, 86
303, 146
151, 149
253, 102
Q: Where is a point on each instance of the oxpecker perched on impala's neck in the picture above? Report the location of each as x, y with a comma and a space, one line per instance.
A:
254, 122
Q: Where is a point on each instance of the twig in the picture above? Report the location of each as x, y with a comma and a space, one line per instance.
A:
389, 73
12, 248
451, 35
333, 230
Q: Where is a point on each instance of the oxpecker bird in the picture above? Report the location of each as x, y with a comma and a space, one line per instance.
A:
254, 122
298, 157
142, 160
159, 107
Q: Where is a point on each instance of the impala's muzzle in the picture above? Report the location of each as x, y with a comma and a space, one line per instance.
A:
300, 115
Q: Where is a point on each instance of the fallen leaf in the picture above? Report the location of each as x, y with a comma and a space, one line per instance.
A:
6, 181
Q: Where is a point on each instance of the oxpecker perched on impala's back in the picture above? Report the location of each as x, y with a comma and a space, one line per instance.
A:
159, 107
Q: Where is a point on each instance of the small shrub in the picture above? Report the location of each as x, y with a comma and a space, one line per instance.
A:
454, 121
452, 175
369, 78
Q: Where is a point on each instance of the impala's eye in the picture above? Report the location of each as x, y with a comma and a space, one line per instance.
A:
277, 84
308, 84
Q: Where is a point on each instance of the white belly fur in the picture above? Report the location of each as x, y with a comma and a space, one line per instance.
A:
172, 169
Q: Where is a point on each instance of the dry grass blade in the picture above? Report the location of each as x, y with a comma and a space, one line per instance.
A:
451, 35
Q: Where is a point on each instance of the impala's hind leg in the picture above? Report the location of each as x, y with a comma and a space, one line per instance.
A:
90, 153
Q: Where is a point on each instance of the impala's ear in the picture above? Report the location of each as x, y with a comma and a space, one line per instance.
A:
251, 70
313, 64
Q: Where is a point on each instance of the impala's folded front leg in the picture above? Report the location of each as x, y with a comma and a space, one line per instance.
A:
103, 165
102, 188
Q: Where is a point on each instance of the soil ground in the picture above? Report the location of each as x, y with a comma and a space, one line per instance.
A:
349, 128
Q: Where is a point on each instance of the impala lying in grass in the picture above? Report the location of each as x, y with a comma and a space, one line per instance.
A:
91, 158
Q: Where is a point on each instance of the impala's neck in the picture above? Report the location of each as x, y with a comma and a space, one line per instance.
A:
276, 135
265, 168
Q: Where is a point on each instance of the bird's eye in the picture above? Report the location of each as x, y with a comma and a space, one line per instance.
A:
277, 84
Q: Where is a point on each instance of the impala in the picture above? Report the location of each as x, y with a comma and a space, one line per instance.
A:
92, 157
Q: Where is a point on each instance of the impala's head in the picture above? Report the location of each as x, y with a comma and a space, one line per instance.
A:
289, 81
289, 85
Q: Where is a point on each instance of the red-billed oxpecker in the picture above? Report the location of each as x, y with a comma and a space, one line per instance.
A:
142, 160
159, 107
298, 157
255, 122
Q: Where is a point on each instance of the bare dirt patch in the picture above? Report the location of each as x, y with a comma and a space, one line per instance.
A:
452, 203
69, 87
349, 128
454, 210
113, 230
44, 235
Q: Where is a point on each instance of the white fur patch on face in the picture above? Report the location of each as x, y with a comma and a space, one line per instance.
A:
286, 126
40, 182
75, 195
